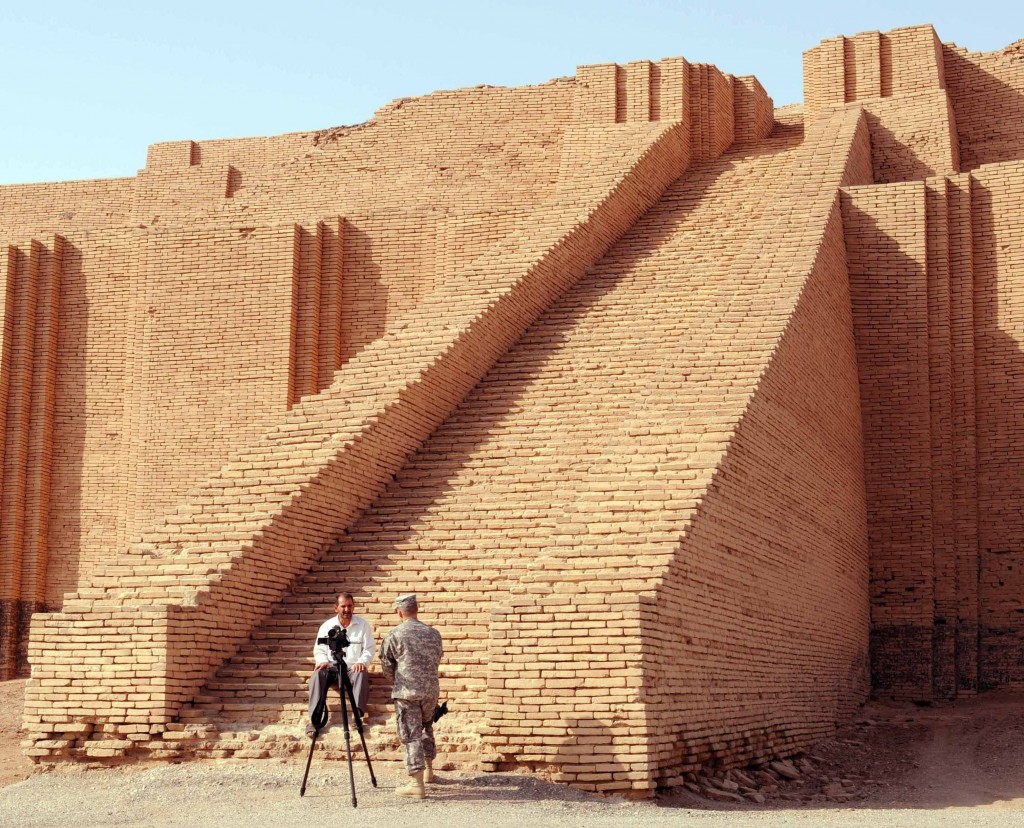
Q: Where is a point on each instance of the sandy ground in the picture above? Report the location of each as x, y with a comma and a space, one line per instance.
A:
896, 765
14, 766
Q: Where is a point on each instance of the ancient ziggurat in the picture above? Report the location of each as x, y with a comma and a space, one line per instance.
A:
692, 421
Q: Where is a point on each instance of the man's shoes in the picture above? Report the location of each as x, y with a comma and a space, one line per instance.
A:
428, 772
413, 789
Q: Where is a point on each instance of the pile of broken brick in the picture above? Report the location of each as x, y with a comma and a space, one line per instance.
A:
801, 779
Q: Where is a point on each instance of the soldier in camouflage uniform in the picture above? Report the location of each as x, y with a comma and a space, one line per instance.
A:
409, 657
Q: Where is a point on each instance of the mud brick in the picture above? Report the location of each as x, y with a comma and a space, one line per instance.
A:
675, 408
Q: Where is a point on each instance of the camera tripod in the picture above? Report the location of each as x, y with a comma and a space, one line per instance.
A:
347, 697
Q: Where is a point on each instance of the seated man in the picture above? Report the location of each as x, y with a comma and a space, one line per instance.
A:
358, 656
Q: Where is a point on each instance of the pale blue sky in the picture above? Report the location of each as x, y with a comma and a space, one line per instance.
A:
87, 85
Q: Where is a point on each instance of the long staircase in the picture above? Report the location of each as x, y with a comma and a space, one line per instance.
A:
496, 485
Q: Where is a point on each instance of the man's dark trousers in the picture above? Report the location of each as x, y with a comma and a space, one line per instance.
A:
323, 679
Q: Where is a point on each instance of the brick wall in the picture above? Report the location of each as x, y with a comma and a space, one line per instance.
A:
912, 137
728, 680
872, 65
887, 248
594, 669
987, 94
932, 277
965, 428
997, 195
88, 485
140, 414
754, 117
29, 325
65, 205
939, 212
215, 565
188, 408
285, 361
899, 79
716, 108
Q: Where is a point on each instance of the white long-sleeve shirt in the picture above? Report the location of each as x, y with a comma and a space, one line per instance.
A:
361, 648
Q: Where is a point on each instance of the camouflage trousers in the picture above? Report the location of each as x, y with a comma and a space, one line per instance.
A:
416, 731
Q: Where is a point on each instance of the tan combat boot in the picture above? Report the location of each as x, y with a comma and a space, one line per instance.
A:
428, 772
413, 788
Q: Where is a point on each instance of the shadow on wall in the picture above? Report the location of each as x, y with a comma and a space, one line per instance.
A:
999, 342
889, 292
921, 598
364, 294
64, 543
891, 159
587, 750
920, 442
989, 111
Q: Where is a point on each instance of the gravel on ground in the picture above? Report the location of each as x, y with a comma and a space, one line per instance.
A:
893, 765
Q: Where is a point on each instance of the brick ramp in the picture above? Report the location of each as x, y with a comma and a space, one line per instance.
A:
145, 632
513, 506
482, 498
707, 564
479, 500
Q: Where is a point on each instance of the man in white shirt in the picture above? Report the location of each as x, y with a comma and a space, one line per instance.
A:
357, 655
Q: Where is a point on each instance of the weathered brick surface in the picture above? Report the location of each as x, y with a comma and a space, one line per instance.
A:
899, 79
933, 273
218, 562
887, 244
66, 205
253, 293
987, 94
997, 197
30, 323
670, 440
497, 504
89, 485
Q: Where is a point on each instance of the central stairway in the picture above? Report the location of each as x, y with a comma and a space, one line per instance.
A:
496, 486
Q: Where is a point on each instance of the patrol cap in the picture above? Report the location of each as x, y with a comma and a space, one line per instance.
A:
406, 602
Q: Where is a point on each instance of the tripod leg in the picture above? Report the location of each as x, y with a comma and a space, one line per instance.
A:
345, 687
309, 760
359, 729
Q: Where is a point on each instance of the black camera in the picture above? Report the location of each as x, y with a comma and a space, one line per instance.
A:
336, 641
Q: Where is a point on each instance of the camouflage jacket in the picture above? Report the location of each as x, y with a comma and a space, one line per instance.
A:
409, 656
